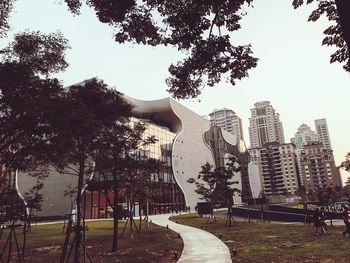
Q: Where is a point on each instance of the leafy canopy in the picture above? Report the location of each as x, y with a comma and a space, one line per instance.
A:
338, 33
199, 28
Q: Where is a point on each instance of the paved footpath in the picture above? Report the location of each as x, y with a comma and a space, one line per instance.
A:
199, 245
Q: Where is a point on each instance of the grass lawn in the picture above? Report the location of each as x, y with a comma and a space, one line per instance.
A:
269, 242
156, 244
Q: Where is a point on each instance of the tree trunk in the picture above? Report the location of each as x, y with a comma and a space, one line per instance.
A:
78, 205
115, 209
229, 213
140, 223
115, 222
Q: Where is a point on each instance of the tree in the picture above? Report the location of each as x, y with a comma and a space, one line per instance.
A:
26, 98
301, 191
225, 186
27, 93
146, 185
200, 28
337, 34
346, 164
86, 110
205, 185
217, 184
5, 9
114, 146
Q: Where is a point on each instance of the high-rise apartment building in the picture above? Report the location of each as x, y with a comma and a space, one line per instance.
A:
278, 168
322, 132
302, 137
265, 125
228, 120
318, 168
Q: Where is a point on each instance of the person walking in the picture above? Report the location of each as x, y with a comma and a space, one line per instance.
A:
323, 221
345, 216
317, 220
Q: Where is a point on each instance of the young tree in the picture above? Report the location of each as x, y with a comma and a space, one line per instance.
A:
113, 146
146, 183
206, 184
225, 186
218, 184
137, 170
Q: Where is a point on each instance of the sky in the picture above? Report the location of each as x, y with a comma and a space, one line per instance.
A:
293, 71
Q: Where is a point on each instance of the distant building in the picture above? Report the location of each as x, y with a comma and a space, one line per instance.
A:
303, 136
180, 146
278, 168
318, 168
322, 132
265, 125
228, 120
222, 148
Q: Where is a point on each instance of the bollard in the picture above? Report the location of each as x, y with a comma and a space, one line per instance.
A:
178, 235
202, 227
220, 235
167, 226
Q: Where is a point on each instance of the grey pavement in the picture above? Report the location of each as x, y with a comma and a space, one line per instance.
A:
199, 245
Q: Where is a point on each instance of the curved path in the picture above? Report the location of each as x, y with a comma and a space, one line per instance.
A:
199, 245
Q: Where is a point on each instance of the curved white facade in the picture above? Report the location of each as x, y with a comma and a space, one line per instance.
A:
189, 153
55, 202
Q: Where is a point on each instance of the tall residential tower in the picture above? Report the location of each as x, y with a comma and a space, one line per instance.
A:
228, 120
303, 136
322, 132
265, 125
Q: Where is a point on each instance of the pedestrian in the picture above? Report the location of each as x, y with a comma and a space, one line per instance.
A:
323, 221
317, 220
345, 216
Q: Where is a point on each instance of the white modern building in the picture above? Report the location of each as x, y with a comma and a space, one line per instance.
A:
265, 125
323, 133
228, 120
181, 145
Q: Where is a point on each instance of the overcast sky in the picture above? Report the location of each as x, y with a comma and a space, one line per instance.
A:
293, 70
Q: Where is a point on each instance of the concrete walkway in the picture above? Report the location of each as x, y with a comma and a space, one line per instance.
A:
199, 245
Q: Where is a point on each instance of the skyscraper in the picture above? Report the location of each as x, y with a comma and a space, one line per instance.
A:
265, 125
228, 120
322, 132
